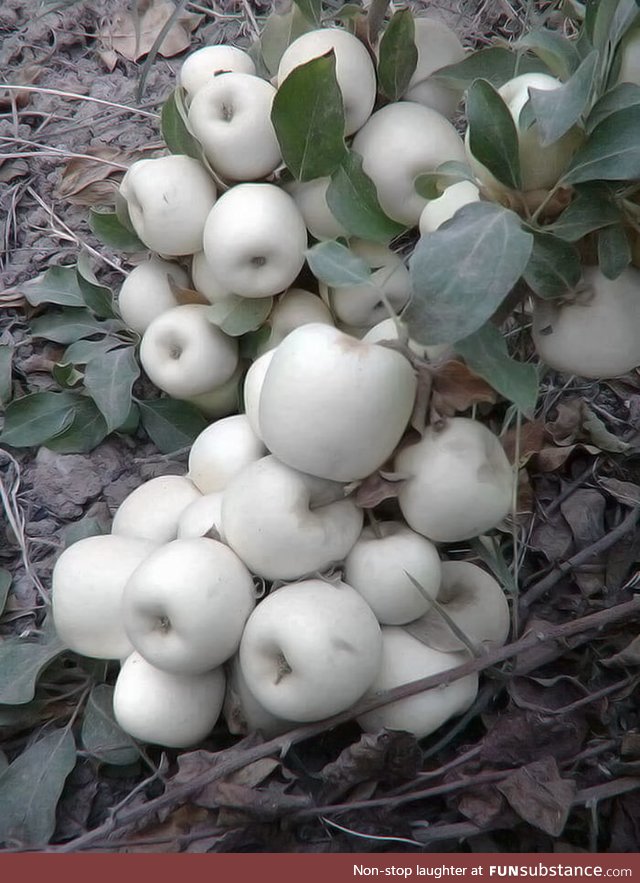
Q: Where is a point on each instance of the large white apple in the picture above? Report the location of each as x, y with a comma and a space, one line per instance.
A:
399, 143
253, 387
255, 237
459, 482
242, 711
355, 72
285, 524
379, 565
147, 292
333, 406
202, 518
437, 211
231, 118
296, 307
221, 451
438, 46
87, 585
406, 659
204, 64
185, 354
310, 650
185, 606
311, 199
169, 199
205, 279
153, 509
166, 709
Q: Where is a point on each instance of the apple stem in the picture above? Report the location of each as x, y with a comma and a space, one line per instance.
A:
375, 524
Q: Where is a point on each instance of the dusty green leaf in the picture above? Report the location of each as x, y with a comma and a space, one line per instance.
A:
6, 369
109, 380
98, 298
554, 266
5, 585
278, 32
398, 55
308, 116
85, 430
82, 351
21, 717
485, 352
173, 125
495, 64
80, 530
353, 201
557, 110
431, 185
21, 662
237, 315
614, 251
311, 10
337, 266
622, 96
602, 437
31, 787
493, 137
67, 325
171, 425
592, 208
36, 417
612, 152
554, 49
57, 285
66, 376
461, 273
112, 232
101, 735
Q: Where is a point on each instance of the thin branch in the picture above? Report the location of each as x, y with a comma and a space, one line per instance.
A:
75, 96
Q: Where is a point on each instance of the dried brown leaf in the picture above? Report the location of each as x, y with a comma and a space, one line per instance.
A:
624, 491
551, 459
629, 656
529, 439
576, 422
263, 804
27, 75
520, 736
82, 173
12, 169
120, 34
183, 823
540, 795
481, 805
456, 388
583, 511
375, 489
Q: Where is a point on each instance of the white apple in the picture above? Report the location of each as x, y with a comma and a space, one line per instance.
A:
310, 650
205, 280
255, 237
285, 524
185, 607
294, 308
399, 143
333, 406
87, 585
147, 292
437, 211
224, 399
185, 354
202, 518
166, 709
459, 482
221, 451
231, 118
406, 659
355, 72
242, 711
253, 387
169, 199
153, 509
311, 199
438, 46
388, 330
378, 567
204, 64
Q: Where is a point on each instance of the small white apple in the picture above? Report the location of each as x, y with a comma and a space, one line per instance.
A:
253, 387
379, 564
153, 509
169, 199
223, 400
333, 406
205, 280
87, 585
185, 607
147, 293
437, 211
406, 659
294, 308
166, 709
311, 199
459, 481
202, 518
400, 142
242, 711
310, 650
221, 451
388, 330
231, 118
185, 354
438, 46
355, 72
255, 237
285, 524
204, 64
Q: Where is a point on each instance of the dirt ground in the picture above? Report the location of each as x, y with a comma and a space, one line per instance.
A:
554, 734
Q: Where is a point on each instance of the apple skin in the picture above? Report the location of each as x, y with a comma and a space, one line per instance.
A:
87, 586
255, 237
355, 72
231, 118
253, 387
285, 524
310, 650
153, 509
205, 280
166, 709
221, 451
311, 199
185, 607
202, 518
437, 211
242, 711
146, 292
459, 481
438, 46
185, 354
388, 330
377, 568
294, 308
397, 144
405, 659
222, 401
169, 199
333, 406
201, 66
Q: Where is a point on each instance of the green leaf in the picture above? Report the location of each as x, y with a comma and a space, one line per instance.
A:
30, 789
5, 585
398, 55
625, 16
614, 251
36, 417
493, 137
111, 232
21, 717
555, 50
109, 380
57, 285
337, 266
557, 110
278, 32
89, 526
495, 64
82, 351
308, 117
67, 325
6, 366
591, 209
237, 315
171, 425
597, 21
101, 735
619, 98
461, 273
21, 663
612, 153
86, 429
174, 128
554, 266
353, 201
311, 9
66, 376
98, 298
431, 185
376, 14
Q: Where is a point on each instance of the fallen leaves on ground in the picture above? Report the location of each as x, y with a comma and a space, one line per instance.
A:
133, 36
88, 181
